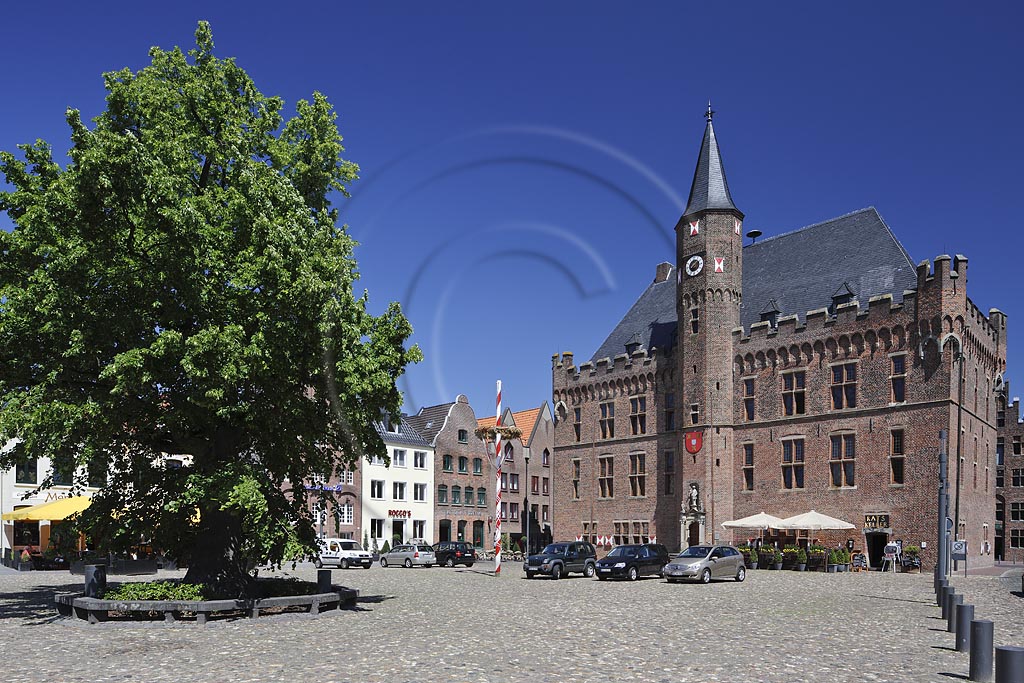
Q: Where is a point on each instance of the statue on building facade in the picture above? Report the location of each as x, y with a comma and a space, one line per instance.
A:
693, 498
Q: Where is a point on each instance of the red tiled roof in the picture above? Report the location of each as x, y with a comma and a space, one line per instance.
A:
524, 419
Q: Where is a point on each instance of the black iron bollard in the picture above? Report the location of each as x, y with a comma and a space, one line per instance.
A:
964, 617
323, 581
95, 580
941, 583
945, 600
981, 650
954, 600
1009, 664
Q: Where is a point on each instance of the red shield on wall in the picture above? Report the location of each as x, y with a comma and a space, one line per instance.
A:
693, 441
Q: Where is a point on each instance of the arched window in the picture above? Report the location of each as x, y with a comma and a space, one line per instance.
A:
545, 458
456, 495
469, 495
508, 452
463, 465
442, 494
478, 466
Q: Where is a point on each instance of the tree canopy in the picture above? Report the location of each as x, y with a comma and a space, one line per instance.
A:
181, 286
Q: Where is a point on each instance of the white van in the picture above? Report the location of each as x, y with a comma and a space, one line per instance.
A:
343, 552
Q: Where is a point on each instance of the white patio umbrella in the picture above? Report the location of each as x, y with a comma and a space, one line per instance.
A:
813, 521
759, 521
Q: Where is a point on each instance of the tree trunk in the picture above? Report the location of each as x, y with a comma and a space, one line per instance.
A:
217, 560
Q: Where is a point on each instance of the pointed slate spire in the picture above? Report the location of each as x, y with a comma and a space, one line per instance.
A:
709, 189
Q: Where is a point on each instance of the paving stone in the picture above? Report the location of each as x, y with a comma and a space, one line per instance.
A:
466, 625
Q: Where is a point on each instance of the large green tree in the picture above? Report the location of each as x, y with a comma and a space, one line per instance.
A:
181, 286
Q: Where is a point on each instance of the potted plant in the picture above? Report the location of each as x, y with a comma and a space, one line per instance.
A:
911, 558
816, 557
801, 559
776, 558
753, 558
833, 561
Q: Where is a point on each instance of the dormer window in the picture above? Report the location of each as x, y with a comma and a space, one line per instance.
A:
770, 313
843, 295
633, 344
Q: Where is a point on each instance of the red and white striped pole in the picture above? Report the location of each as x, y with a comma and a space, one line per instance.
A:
497, 486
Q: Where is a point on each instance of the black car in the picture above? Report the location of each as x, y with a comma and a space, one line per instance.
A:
451, 553
633, 561
559, 559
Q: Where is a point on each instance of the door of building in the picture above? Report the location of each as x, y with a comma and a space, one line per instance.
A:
876, 548
398, 531
693, 534
478, 533
462, 530
444, 530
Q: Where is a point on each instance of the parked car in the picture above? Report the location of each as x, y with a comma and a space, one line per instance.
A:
344, 552
706, 562
633, 561
560, 559
451, 553
409, 555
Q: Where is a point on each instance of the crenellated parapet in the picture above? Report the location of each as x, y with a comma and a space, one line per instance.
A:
938, 317
625, 374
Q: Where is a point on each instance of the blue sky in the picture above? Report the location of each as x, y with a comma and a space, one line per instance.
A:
523, 166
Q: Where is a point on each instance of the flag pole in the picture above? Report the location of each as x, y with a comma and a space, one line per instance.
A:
497, 485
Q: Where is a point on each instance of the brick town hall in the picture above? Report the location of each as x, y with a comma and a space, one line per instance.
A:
812, 370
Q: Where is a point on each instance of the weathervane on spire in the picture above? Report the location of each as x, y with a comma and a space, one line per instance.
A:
710, 112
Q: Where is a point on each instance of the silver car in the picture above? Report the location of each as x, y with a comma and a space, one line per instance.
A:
409, 555
705, 562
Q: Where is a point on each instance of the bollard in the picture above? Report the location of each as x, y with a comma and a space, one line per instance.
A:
940, 591
981, 650
1009, 664
963, 619
323, 581
95, 580
954, 600
946, 595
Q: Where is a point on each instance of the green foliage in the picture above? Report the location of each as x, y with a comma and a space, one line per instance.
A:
183, 287
386, 549
911, 551
158, 590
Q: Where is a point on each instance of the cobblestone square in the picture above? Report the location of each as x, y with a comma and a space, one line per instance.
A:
465, 625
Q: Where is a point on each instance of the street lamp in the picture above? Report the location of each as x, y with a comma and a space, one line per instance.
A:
526, 501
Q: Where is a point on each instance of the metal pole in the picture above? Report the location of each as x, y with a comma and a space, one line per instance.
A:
964, 617
952, 605
941, 545
1009, 664
981, 650
959, 439
526, 501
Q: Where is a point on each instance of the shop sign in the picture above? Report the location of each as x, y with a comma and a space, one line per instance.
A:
876, 521
400, 513
327, 487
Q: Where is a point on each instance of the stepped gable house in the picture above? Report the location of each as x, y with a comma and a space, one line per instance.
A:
462, 471
810, 370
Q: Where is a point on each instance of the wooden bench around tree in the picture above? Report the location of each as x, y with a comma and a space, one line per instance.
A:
95, 610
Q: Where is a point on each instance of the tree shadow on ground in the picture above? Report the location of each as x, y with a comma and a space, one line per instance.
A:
35, 605
367, 600
952, 675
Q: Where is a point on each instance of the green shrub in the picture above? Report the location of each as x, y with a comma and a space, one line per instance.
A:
279, 586
801, 556
753, 554
158, 590
386, 549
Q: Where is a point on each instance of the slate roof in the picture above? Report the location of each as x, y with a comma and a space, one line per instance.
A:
799, 270
709, 189
429, 421
406, 434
